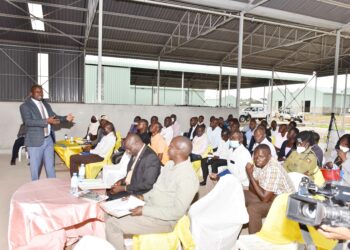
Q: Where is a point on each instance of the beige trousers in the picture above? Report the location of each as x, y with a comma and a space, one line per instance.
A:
117, 228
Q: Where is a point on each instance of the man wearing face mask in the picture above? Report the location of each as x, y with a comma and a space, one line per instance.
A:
303, 160
97, 154
218, 159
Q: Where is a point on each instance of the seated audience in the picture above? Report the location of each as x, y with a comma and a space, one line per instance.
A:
292, 124
201, 121
175, 125
289, 145
133, 127
218, 159
222, 124
200, 144
317, 150
92, 129
158, 144
103, 121
303, 160
193, 128
268, 131
19, 142
142, 171
249, 131
142, 131
267, 180
166, 203
281, 136
227, 122
260, 138
153, 120
214, 133
167, 131
95, 155
234, 125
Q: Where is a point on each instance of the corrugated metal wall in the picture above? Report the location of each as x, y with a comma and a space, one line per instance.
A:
66, 82
18, 71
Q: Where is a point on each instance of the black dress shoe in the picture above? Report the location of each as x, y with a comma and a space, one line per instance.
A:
13, 162
203, 183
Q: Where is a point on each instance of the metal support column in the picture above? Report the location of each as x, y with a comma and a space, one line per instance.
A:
182, 88
228, 90
315, 94
344, 101
220, 86
99, 67
158, 81
271, 91
239, 62
250, 97
336, 61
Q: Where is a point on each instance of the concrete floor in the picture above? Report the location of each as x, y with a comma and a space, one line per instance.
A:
11, 178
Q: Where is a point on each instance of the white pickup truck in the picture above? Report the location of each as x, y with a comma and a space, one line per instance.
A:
253, 112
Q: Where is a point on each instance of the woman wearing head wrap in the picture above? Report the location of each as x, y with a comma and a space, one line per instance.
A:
303, 160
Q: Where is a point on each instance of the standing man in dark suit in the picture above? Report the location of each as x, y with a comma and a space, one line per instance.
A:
38, 118
142, 172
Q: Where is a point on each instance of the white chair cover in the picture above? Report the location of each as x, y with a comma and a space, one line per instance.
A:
89, 242
296, 178
217, 218
113, 173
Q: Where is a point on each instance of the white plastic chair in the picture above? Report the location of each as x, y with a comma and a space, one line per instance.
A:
253, 242
217, 218
89, 242
20, 153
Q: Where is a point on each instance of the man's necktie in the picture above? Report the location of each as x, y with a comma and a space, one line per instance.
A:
43, 115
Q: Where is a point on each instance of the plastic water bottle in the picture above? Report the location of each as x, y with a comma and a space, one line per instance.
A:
66, 137
82, 172
88, 138
74, 184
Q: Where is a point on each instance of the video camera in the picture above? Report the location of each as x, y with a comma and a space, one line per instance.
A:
333, 207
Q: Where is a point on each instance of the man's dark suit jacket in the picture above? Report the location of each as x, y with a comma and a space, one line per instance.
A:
145, 173
34, 122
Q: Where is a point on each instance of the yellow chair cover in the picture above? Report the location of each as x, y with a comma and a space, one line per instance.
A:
167, 241
196, 165
118, 142
92, 169
318, 178
278, 229
65, 150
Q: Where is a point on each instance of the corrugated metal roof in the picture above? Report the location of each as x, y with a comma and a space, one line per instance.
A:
142, 30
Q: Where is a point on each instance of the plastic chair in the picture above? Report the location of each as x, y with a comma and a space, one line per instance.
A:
118, 142
196, 165
92, 169
217, 218
252, 242
296, 178
167, 241
20, 153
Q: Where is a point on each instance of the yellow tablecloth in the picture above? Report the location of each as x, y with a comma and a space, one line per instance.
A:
65, 149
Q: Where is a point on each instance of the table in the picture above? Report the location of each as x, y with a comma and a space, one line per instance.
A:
65, 149
43, 215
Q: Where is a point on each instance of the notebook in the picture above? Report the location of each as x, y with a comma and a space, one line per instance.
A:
121, 207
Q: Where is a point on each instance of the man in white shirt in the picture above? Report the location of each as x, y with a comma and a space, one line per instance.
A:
281, 136
175, 125
200, 144
97, 154
214, 134
201, 121
218, 159
167, 131
260, 138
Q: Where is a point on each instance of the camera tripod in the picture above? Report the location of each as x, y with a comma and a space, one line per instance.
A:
330, 128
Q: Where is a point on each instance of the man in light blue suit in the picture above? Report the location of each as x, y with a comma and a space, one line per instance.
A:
38, 118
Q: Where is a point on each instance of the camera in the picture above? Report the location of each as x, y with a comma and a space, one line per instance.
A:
313, 205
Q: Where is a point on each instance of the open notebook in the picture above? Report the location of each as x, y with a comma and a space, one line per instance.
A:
121, 207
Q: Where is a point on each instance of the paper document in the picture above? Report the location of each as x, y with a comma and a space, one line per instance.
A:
121, 207
91, 196
87, 184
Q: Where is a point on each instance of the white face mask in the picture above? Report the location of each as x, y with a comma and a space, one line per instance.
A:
344, 149
234, 144
300, 150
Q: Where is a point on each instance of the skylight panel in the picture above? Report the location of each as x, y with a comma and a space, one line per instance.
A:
36, 11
